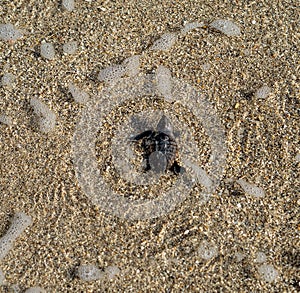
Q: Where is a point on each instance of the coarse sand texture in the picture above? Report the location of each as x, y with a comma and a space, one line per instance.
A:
149, 146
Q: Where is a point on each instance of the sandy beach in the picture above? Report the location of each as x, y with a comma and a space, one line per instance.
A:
234, 103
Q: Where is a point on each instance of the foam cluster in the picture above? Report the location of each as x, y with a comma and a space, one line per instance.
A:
90, 273
268, 272
260, 257
190, 26
35, 290
78, 95
68, 5
164, 81
111, 272
5, 119
19, 223
263, 92
165, 42
201, 175
46, 118
8, 32
111, 74
47, 51
132, 65
2, 277
8, 79
251, 188
207, 250
226, 27
70, 47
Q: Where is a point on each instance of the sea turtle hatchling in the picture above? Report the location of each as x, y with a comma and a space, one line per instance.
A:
159, 148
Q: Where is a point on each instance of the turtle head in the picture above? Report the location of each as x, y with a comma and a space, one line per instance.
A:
164, 125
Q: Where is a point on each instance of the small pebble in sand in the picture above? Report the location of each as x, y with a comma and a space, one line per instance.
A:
207, 250
263, 92
268, 273
251, 188
8, 80
46, 118
35, 290
297, 158
8, 32
111, 272
90, 273
68, 5
79, 96
165, 42
47, 51
164, 81
70, 47
5, 119
227, 27
260, 257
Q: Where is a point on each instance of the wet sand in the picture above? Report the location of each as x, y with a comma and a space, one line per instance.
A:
37, 174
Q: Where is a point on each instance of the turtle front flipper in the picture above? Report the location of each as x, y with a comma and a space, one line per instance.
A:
176, 169
142, 135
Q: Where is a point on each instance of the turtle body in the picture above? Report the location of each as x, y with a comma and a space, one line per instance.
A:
159, 147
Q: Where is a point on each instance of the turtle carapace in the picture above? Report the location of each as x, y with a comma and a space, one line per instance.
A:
160, 148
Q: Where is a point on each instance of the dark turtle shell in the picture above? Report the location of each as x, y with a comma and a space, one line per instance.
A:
157, 141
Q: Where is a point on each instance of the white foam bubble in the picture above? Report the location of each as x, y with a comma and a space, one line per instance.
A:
35, 290
78, 95
251, 188
70, 47
263, 92
112, 73
190, 26
2, 277
239, 256
164, 81
165, 42
8, 32
47, 51
112, 271
132, 65
46, 118
202, 176
6, 245
225, 26
89, 273
8, 80
5, 119
260, 257
207, 250
268, 272
19, 223
68, 5
206, 66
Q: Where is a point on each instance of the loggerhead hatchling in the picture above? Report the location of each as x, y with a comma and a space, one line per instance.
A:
159, 147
